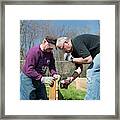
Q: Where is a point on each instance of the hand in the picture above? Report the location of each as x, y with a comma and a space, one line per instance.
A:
48, 80
66, 82
68, 57
55, 76
51, 83
43, 80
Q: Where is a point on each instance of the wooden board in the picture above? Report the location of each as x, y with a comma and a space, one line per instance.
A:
52, 92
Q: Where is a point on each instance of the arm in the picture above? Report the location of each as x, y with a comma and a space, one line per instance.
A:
81, 60
77, 72
30, 64
79, 67
52, 67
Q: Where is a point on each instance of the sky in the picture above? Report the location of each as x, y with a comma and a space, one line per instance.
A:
94, 24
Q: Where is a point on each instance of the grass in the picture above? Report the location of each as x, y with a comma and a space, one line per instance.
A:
70, 94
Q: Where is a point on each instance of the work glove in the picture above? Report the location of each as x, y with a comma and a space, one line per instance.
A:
48, 80
56, 76
65, 83
68, 57
51, 83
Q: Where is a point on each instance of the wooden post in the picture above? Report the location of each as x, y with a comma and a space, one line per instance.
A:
81, 83
53, 91
57, 88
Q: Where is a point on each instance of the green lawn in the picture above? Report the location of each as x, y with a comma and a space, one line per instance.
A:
70, 94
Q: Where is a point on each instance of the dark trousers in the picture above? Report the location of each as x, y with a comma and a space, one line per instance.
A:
31, 89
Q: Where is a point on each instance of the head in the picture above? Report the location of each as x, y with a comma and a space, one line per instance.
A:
64, 43
48, 43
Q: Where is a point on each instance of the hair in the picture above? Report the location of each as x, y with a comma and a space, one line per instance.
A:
67, 40
51, 39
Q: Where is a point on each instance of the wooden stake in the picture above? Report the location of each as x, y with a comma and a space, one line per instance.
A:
53, 91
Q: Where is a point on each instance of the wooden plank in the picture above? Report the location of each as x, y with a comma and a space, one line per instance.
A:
52, 92
81, 83
57, 88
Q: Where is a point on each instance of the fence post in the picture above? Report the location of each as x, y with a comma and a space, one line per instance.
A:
53, 91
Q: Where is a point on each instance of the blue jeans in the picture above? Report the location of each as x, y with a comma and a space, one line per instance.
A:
31, 89
93, 80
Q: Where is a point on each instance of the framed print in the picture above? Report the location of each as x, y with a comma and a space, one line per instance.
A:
60, 59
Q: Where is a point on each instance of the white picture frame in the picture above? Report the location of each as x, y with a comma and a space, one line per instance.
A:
49, 111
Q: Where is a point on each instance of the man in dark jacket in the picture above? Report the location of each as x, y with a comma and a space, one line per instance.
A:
38, 59
84, 49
